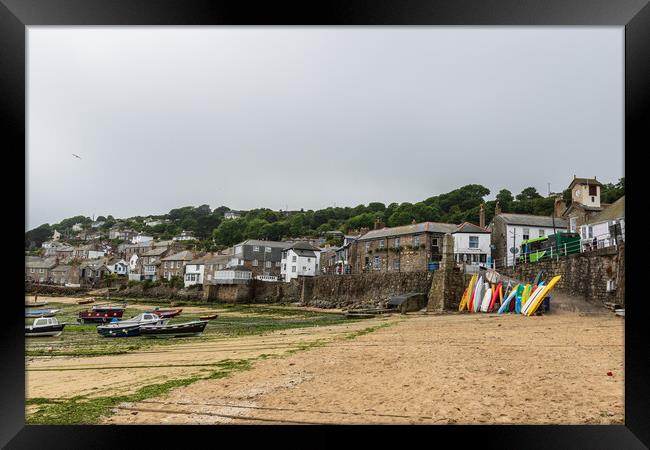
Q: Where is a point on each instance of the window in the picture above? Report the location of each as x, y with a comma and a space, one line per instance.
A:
256, 248
416, 241
396, 264
267, 264
284, 267
277, 264
41, 270
238, 250
591, 232
293, 258
31, 270
542, 233
525, 234
572, 224
367, 246
293, 268
267, 249
381, 244
593, 190
308, 260
166, 274
396, 242
376, 262
473, 242
304, 268
434, 242
255, 263
178, 264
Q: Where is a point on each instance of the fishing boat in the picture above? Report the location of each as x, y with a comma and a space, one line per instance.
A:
41, 313
119, 329
193, 328
99, 317
166, 313
44, 326
35, 304
213, 316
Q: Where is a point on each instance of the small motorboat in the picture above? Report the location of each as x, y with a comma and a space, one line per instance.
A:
86, 301
32, 313
44, 326
166, 313
213, 316
193, 328
35, 304
99, 316
129, 327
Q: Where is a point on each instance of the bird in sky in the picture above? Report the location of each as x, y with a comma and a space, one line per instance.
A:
76, 156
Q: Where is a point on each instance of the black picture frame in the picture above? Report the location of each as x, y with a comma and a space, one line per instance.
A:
634, 15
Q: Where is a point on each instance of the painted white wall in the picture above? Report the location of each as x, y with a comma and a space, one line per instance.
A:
194, 274
461, 243
533, 232
580, 194
304, 266
600, 231
133, 262
233, 274
141, 239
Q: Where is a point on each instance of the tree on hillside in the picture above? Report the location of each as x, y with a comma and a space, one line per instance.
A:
530, 193
229, 232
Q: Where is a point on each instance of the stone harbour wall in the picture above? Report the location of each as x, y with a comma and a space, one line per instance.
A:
362, 290
584, 275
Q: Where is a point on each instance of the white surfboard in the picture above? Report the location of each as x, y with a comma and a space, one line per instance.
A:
487, 298
477, 294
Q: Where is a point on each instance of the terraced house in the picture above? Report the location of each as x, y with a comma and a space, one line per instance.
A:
174, 265
261, 257
409, 248
39, 269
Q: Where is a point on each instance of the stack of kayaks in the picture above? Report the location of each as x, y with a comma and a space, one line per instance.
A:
525, 299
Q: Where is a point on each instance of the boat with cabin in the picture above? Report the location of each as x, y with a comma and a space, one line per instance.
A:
44, 326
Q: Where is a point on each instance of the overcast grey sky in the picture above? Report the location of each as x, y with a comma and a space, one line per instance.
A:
309, 117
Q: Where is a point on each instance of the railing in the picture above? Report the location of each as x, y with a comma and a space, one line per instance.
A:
584, 245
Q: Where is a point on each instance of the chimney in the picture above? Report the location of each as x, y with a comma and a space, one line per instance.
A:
378, 224
482, 216
559, 207
497, 209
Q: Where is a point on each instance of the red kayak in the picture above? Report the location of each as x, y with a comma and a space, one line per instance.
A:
166, 313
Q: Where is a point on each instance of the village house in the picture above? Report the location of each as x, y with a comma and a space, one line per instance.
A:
118, 266
65, 275
213, 263
606, 228
195, 270
93, 271
77, 227
122, 234
328, 260
472, 244
89, 251
151, 222
509, 230
39, 269
174, 265
146, 266
141, 239
184, 236
585, 203
261, 257
128, 250
232, 214
300, 260
408, 248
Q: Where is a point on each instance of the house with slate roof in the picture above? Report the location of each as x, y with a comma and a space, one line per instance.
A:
261, 257
174, 265
606, 228
300, 260
472, 244
408, 248
509, 230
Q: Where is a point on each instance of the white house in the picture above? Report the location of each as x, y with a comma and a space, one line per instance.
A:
300, 259
509, 230
77, 227
119, 267
472, 244
133, 262
606, 228
141, 239
184, 236
231, 214
56, 236
194, 271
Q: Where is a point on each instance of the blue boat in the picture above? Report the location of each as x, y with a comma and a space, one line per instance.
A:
34, 313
